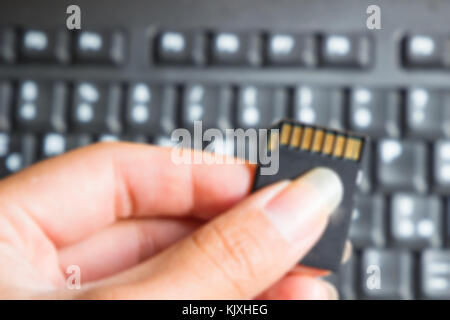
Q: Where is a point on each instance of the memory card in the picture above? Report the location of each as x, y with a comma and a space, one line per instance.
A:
303, 147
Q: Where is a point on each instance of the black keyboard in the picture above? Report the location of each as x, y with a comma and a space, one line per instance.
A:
139, 69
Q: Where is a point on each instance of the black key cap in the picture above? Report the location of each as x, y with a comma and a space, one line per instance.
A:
164, 141
151, 109
339, 50
447, 225
365, 185
54, 144
16, 153
101, 47
6, 95
236, 49
45, 46
291, 50
368, 221
423, 51
321, 106
435, 274
96, 107
425, 112
441, 165
402, 165
185, 48
142, 111
7, 45
416, 221
375, 112
211, 105
386, 274
41, 106
108, 137
260, 107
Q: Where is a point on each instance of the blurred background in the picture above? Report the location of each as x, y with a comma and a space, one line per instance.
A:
137, 70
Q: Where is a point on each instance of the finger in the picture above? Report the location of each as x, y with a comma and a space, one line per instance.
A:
123, 245
90, 188
240, 253
300, 287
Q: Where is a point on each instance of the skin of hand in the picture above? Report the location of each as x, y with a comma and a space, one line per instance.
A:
141, 227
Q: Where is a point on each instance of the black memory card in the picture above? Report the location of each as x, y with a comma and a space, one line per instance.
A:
303, 147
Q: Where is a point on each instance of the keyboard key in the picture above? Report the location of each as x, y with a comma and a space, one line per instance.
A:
368, 221
236, 49
423, 51
402, 165
151, 109
164, 141
45, 46
7, 46
386, 274
142, 107
16, 153
260, 107
291, 50
447, 224
185, 48
441, 165
425, 112
54, 144
107, 137
211, 105
101, 47
366, 183
435, 274
339, 50
416, 221
41, 106
6, 95
321, 106
77, 141
96, 107
375, 112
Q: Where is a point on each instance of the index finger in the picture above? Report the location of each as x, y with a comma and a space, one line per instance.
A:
73, 195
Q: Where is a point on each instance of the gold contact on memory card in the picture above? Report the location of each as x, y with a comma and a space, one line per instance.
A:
285, 133
307, 138
328, 144
356, 154
296, 137
339, 146
318, 140
273, 140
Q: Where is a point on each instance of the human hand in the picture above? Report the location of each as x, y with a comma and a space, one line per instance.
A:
140, 227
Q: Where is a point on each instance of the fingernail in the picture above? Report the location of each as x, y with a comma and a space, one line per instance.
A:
305, 202
331, 291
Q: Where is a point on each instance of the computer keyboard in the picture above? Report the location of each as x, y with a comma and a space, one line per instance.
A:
139, 69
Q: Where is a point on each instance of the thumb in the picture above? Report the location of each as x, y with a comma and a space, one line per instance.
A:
245, 250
